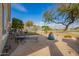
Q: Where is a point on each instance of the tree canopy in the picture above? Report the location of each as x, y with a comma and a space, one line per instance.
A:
17, 23
29, 23
64, 14
46, 28
35, 28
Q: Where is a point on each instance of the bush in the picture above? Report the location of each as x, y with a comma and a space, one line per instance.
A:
68, 36
31, 33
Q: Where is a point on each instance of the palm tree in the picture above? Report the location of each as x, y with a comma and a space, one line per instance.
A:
69, 13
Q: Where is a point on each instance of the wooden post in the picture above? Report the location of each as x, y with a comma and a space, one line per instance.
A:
8, 16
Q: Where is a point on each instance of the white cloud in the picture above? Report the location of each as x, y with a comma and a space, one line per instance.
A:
57, 26
40, 23
19, 7
74, 25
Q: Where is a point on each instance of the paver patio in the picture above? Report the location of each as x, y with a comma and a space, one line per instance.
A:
44, 47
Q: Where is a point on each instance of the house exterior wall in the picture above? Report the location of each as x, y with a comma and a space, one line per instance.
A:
3, 35
1, 27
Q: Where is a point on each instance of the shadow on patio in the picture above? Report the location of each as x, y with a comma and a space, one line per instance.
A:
30, 47
73, 44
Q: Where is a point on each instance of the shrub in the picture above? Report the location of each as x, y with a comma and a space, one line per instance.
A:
68, 36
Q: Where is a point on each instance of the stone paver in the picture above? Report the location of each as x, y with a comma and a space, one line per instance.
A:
44, 47
65, 49
42, 52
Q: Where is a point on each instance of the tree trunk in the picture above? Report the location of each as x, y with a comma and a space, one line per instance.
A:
72, 20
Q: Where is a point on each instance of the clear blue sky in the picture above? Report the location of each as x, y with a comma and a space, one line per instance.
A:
33, 11
30, 11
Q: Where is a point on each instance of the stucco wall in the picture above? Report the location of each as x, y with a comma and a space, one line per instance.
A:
2, 35
0, 27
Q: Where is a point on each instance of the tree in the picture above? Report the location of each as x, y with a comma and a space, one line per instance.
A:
29, 24
69, 13
17, 23
35, 28
46, 28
